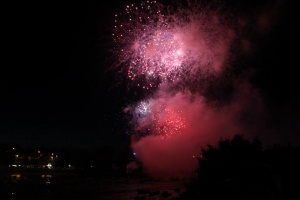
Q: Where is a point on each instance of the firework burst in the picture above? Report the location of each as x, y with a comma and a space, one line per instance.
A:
159, 45
155, 43
156, 118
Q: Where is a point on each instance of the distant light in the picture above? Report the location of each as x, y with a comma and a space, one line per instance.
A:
17, 156
134, 153
91, 165
17, 176
69, 166
39, 152
14, 148
49, 166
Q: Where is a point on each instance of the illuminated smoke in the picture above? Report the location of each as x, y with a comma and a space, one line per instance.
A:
172, 152
183, 52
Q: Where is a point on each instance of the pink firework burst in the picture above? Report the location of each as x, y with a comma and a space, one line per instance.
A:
155, 43
146, 42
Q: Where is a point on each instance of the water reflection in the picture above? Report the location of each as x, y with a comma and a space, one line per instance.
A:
15, 178
19, 178
46, 179
26, 186
46, 186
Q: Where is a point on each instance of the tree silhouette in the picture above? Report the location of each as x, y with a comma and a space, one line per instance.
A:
241, 169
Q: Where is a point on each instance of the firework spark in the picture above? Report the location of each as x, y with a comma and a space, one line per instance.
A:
156, 118
155, 43
169, 124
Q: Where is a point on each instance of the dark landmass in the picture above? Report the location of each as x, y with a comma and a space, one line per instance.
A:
234, 169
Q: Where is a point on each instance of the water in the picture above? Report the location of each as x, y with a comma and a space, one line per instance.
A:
66, 185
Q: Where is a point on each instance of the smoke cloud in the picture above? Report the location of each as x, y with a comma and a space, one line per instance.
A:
191, 56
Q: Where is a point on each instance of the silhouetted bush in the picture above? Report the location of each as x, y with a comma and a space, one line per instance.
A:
242, 169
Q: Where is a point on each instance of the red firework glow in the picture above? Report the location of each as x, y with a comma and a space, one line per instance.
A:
168, 49
170, 124
158, 119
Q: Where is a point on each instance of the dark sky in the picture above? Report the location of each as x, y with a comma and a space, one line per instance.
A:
55, 90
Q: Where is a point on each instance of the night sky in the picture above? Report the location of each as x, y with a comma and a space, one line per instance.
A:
56, 89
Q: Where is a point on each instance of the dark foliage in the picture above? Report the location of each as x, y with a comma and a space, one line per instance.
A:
242, 169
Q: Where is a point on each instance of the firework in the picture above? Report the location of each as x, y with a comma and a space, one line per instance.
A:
156, 118
155, 43
158, 45
169, 124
